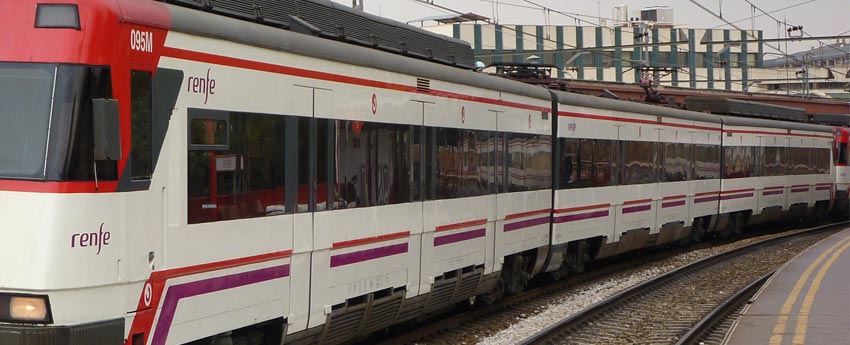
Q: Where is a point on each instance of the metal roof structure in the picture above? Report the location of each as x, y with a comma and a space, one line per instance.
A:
330, 20
742, 108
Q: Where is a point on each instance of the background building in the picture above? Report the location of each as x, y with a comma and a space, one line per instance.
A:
673, 55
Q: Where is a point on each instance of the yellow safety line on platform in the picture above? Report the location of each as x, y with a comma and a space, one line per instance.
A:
782, 320
805, 310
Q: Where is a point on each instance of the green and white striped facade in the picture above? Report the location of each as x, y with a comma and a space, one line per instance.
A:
701, 65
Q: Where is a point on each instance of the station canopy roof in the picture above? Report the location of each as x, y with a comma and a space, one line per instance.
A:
453, 18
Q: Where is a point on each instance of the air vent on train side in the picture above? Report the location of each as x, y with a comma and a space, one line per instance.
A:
423, 85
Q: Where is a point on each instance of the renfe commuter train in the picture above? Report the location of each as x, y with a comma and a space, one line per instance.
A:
174, 173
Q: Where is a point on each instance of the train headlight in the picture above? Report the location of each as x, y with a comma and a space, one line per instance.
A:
28, 308
25, 308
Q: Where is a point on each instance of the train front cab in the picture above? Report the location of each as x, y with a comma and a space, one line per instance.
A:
80, 167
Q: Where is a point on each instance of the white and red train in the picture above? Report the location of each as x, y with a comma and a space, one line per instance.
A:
172, 175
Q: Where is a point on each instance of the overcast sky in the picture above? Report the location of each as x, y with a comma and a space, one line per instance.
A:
818, 17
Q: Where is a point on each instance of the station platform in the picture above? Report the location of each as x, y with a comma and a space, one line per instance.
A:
806, 302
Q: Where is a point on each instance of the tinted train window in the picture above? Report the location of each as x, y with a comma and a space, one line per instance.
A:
538, 170
515, 162
823, 164
677, 162
706, 162
800, 161
603, 156
586, 163
373, 164
466, 163
569, 163
71, 155
243, 179
738, 161
141, 106
529, 162
639, 162
773, 161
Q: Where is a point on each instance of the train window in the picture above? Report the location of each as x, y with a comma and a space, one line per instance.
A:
842, 153
25, 93
822, 161
706, 162
417, 153
306, 167
208, 132
576, 163
430, 178
71, 155
481, 158
639, 162
771, 161
603, 151
585, 163
516, 159
373, 164
449, 157
244, 181
538, 169
140, 121
568, 162
677, 162
529, 162
738, 161
800, 161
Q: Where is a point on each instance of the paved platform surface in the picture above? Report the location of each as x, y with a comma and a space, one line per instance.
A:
806, 302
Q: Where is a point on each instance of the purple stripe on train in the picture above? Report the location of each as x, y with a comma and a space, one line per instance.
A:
635, 209
177, 292
458, 237
526, 223
706, 199
736, 196
368, 254
580, 216
772, 192
798, 190
824, 188
674, 203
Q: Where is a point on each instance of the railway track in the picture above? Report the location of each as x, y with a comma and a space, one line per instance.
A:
712, 329
663, 309
472, 325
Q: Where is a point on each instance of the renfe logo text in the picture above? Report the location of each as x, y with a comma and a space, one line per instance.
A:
205, 86
91, 239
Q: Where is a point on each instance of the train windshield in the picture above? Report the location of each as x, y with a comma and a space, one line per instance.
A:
26, 91
46, 131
